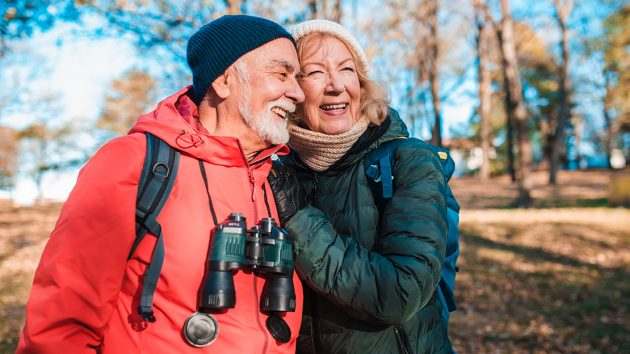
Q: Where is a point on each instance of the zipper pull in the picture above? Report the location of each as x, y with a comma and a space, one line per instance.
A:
252, 180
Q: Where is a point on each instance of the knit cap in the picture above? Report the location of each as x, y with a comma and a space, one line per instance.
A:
336, 30
218, 44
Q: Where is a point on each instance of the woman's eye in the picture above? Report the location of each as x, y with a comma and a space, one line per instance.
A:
348, 68
314, 72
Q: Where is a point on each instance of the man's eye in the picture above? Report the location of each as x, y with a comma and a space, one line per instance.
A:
282, 75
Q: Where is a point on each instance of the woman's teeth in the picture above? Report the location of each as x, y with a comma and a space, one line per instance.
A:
333, 107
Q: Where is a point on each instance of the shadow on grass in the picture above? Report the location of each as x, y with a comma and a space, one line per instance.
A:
582, 309
571, 203
534, 254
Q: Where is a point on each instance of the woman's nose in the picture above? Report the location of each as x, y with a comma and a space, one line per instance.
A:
335, 84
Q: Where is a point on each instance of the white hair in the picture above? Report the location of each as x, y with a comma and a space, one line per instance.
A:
264, 124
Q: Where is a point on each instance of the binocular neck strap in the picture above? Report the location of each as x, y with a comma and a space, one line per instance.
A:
205, 183
214, 214
266, 201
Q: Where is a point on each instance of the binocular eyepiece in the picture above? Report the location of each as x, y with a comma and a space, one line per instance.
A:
265, 250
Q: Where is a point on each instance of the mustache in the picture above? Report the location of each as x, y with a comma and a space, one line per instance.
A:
283, 104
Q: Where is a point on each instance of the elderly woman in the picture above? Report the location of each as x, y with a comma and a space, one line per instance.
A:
370, 278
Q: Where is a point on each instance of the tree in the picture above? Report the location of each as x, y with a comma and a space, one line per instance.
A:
44, 147
484, 82
617, 75
563, 10
331, 10
8, 157
413, 31
21, 18
515, 105
130, 97
539, 73
235, 7
433, 67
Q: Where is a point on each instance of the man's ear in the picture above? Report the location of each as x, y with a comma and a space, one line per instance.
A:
220, 85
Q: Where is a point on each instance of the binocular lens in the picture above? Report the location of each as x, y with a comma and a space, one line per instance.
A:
218, 292
278, 295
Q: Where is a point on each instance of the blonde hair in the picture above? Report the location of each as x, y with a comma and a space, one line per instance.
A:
373, 101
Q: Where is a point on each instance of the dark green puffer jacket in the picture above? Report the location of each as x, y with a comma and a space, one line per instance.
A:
370, 286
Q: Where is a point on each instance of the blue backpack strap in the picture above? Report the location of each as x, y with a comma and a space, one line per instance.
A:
378, 169
155, 185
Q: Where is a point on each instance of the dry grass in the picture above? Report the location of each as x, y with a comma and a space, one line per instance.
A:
531, 281
23, 235
539, 286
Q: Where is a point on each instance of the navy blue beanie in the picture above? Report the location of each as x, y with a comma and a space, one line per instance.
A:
218, 44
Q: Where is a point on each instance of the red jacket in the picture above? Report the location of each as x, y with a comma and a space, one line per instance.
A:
85, 292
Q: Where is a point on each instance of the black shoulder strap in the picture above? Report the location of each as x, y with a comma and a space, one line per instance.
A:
156, 181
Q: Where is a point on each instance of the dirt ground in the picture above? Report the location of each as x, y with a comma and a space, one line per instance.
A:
574, 189
550, 279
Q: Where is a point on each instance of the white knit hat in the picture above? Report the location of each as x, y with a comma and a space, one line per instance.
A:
334, 29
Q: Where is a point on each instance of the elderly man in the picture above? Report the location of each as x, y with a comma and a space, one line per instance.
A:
88, 296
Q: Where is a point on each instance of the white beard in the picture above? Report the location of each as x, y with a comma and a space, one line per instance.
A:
265, 124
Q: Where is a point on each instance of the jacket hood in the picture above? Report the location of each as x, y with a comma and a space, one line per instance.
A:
175, 120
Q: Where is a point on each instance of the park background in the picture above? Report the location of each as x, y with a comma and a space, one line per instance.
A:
531, 97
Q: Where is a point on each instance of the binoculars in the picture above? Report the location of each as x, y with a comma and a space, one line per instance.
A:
264, 250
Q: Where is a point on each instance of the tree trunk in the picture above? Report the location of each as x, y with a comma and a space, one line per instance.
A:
578, 133
485, 96
509, 113
434, 67
564, 92
312, 5
337, 12
498, 30
234, 6
609, 124
516, 107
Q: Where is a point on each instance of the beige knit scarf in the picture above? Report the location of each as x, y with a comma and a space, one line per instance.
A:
319, 151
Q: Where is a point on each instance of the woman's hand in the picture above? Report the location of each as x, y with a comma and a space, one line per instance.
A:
288, 192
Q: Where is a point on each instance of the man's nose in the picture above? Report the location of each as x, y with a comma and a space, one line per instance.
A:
294, 91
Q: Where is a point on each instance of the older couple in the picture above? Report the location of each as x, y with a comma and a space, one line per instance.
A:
369, 279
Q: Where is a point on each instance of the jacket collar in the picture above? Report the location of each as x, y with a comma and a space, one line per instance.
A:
175, 121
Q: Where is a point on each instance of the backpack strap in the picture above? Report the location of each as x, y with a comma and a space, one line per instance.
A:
378, 168
156, 181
